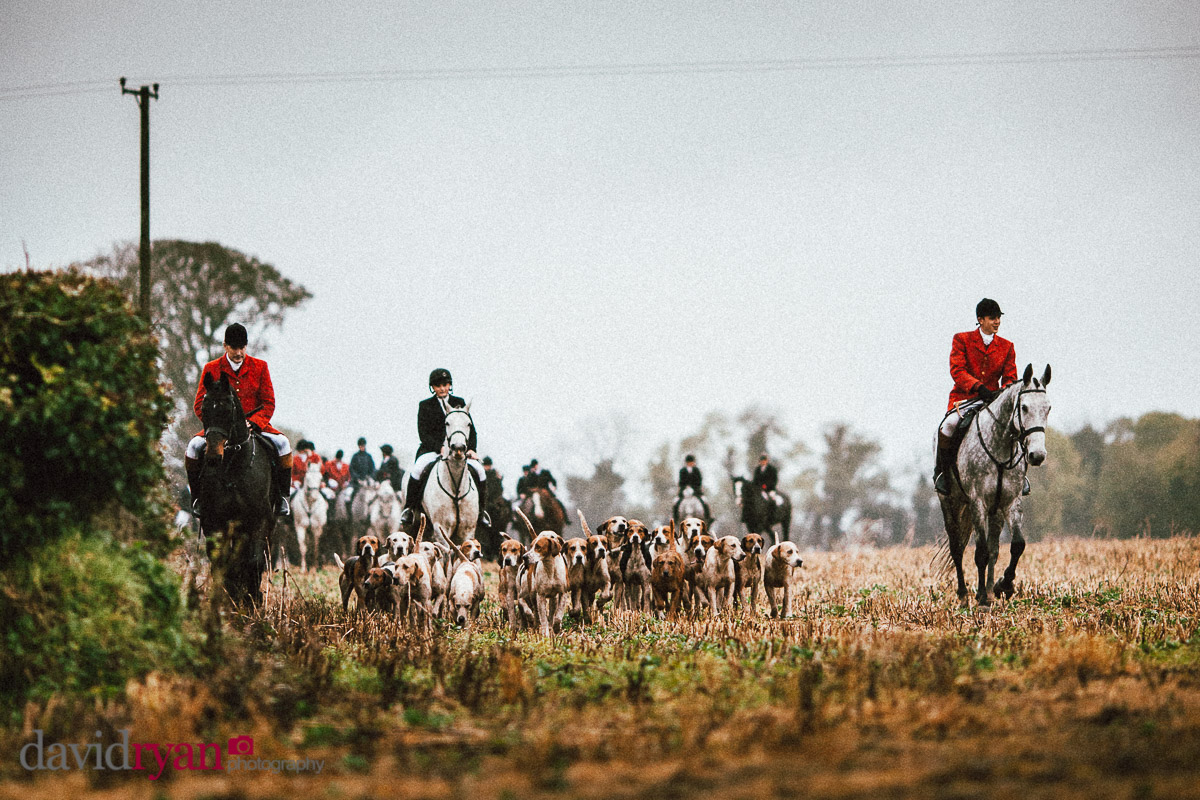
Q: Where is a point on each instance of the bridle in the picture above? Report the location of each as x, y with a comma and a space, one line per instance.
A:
454, 495
1019, 451
227, 433
463, 433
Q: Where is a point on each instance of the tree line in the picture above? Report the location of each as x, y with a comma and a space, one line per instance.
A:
1133, 477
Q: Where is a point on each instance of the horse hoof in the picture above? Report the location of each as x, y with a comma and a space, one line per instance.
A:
983, 599
1003, 588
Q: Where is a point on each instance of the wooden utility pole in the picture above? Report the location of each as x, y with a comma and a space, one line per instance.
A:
143, 96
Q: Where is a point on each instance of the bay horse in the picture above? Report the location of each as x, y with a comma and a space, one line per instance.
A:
451, 500
310, 512
235, 492
760, 513
542, 507
1006, 436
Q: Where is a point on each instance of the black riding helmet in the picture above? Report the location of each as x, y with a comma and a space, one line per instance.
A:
235, 335
987, 308
440, 376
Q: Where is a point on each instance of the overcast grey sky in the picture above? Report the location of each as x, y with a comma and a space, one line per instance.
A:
655, 246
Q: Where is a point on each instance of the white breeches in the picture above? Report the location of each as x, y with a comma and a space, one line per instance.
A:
195, 447
426, 459
952, 419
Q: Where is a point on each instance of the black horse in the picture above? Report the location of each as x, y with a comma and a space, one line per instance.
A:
235, 492
760, 513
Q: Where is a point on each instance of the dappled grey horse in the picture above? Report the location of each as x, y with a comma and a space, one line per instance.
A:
1005, 437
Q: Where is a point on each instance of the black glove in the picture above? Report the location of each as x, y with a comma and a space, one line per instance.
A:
985, 394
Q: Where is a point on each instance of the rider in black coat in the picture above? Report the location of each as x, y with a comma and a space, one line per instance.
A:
766, 477
431, 428
539, 478
689, 475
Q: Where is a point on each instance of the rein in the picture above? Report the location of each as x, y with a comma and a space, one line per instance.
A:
1018, 450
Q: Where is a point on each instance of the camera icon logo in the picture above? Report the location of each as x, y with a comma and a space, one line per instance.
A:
241, 746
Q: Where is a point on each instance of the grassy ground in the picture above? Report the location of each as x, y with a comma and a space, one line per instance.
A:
1085, 684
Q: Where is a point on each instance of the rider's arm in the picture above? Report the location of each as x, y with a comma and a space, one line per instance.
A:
959, 368
1009, 372
266, 400
198, 405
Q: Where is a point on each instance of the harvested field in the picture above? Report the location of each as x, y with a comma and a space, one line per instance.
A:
1085, 684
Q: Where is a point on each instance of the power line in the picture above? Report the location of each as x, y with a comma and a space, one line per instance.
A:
1187, 52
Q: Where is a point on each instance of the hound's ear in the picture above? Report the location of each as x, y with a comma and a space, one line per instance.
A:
208, 380
1046, 376
1028, 376
504, 535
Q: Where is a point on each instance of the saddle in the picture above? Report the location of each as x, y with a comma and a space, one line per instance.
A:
256, 440
966, 416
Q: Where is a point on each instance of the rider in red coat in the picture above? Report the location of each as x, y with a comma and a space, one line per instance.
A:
251, 381
981, 364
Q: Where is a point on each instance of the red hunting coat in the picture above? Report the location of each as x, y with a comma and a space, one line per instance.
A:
300, 466
251, 383
973, 363
337, 471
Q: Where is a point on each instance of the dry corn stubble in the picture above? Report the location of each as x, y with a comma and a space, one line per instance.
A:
1086, 682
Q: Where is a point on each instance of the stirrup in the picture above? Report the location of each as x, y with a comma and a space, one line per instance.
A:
406, 516
940, 484
285, 509
196, 507
484, 519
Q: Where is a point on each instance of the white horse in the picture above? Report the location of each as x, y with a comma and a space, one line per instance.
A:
383, 512
1006, 436
690, 506
310, 512
451, 500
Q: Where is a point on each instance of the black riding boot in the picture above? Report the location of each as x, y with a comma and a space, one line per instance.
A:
481, 487
941, 479
283, 484
412, 500
193, 467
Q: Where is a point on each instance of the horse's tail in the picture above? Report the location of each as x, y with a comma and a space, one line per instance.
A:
943, 558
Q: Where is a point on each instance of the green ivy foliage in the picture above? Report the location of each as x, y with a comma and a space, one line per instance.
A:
83, 615
81, 408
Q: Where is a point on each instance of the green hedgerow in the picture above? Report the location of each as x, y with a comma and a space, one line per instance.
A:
81, 408
85, 614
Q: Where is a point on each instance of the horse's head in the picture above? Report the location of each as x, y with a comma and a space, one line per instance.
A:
312, 479
1030, 411
458, 431
221, 414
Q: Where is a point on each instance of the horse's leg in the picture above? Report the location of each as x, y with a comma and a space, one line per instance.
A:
301, 536
316, 532
957, 539
986, 528
1005, 584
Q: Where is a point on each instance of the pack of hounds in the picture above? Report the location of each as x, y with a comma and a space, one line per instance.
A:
665, 571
